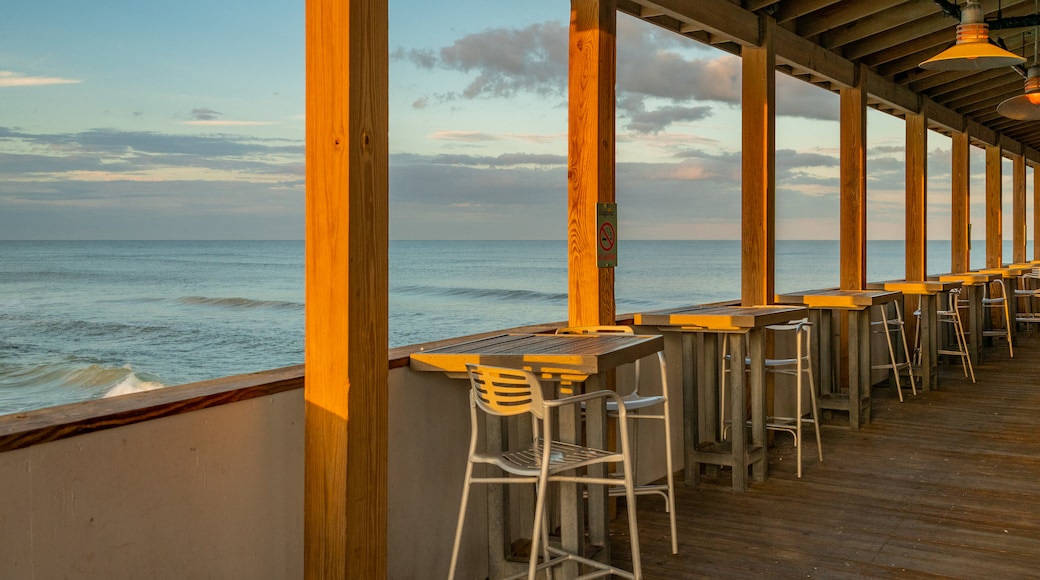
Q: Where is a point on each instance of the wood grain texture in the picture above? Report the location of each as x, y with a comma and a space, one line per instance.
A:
758, 170
345, 497
916, 196
1018, 209
853, 235
1036, 213
940, 486
994, 208
960, 258
590, 156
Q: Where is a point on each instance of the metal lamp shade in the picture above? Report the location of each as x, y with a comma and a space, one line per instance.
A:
973, 51
1024, 107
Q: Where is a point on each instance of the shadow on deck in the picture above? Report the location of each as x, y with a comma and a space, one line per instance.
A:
946, 484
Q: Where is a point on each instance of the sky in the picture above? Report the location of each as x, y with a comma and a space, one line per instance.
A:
185, 120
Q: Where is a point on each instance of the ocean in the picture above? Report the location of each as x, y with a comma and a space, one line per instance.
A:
83, 320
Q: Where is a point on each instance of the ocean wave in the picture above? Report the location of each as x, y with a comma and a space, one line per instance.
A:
492, 293
132, 384
239, 303
76, 375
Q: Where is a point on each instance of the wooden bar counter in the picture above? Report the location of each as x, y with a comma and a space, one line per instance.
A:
928, 291
571, 359
702, 328
855, 305
975, 284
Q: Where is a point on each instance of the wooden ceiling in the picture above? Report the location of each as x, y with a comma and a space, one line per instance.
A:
823, 42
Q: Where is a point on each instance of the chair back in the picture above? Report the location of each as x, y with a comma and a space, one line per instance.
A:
505, 392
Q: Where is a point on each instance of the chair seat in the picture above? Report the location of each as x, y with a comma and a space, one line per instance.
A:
636, 401
565, 456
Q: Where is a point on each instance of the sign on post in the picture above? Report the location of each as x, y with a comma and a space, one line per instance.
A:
606, 235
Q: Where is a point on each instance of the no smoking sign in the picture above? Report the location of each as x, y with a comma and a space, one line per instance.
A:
606, 235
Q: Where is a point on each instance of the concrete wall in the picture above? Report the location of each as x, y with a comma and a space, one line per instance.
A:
216, 493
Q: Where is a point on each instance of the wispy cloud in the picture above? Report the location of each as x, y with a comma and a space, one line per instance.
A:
222, 123
661, 80
13, 79
210, 118
464, 136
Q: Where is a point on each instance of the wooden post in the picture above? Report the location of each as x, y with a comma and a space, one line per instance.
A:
1036, 212
1018, 209
994, 211
853, 244
916, 196
758, 161
960, 260
345, 475
590, 156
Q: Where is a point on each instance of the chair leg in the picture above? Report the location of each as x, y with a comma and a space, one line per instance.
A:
539, 521
461, 521
906, 349
964, 348
670, 476
815, 411
891, 351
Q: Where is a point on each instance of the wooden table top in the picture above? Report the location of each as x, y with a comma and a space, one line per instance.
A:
835, 298
921, 286
572, 356
969, 278
1006, 272
721, 317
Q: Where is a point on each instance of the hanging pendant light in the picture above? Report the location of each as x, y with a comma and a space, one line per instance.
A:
973, 50
1026, 107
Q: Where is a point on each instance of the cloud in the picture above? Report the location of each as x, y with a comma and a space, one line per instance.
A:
13, 79
109, 184
506, 61
204, 114
662, 79
464, 136
220, 123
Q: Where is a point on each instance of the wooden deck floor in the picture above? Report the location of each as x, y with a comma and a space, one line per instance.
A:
945, 485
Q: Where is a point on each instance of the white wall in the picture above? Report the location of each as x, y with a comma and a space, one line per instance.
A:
216, 493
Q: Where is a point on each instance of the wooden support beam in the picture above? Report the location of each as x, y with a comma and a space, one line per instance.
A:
982, 134
345, 466
941, 116
726, 19
916, 196
1018, 209
960, 260
853, 235
888, 92
796, 51
994, 211
758, 169
592, 70
1011, 146
1036, 213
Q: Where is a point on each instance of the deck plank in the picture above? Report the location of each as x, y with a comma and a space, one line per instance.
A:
943, 485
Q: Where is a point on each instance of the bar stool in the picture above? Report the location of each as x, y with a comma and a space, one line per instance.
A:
889, 327
637, 403
1028, 314
502, 392
798, 366
951, 315
999, 303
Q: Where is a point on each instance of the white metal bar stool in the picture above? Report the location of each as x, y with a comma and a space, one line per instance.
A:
1000, 303
950, 315
637, 403
798, 366
504, 392
889, 327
